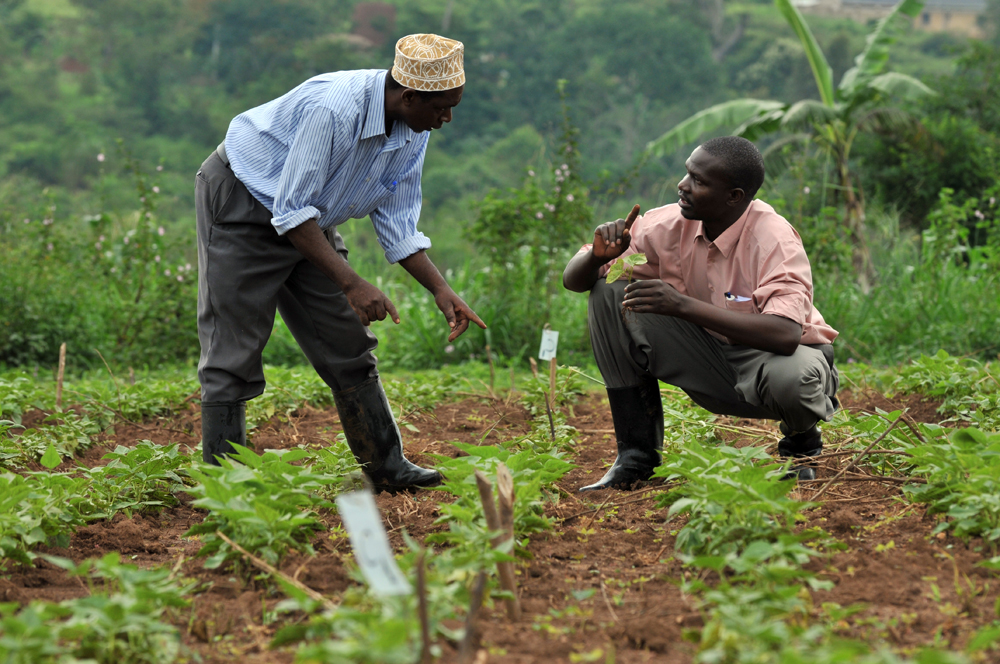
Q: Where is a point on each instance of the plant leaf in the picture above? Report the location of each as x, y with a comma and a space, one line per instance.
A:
817, 61
615, 271
737, 112
51, 458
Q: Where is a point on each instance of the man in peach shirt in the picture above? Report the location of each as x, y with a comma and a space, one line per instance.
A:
722, 309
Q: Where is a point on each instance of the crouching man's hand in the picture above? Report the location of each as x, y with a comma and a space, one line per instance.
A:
653, 296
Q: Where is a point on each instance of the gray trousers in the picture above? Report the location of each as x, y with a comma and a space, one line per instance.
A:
246, 271
798, 389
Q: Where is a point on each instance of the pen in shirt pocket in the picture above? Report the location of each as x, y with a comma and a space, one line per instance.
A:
736, 298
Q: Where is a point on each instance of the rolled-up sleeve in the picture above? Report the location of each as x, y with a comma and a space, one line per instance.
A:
785, 283
305, 172
395, 220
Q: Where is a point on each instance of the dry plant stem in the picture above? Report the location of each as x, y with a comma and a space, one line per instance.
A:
647, 490
489, 358
831, 455
425, 625
534, 367
466, 650
276, 572
857, 458
604, 593
505, 570
113, 379
60, 375
598, 511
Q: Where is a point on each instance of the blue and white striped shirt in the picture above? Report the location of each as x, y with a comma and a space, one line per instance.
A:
320, 152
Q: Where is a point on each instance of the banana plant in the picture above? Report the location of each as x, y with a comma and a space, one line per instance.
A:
832, 122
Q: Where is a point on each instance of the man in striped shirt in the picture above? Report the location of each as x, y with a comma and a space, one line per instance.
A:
342, 145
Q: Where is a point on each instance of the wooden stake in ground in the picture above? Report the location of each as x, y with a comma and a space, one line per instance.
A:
60, 374
425, 625
466, 650
489, 358
504, 569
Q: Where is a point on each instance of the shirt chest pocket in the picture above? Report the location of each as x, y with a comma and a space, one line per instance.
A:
376, 192
739, 304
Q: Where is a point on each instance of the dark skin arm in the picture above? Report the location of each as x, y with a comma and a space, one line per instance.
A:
368, 302
455, 310
610, 241
774, 334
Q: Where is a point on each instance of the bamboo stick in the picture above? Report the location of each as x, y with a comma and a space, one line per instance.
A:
505, 570
60, 375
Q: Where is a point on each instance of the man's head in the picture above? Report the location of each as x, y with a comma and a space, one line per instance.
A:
426, 81
723, 174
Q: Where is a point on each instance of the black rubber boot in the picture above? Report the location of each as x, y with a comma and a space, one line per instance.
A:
638, 416
222, 423
374, 439
802, 445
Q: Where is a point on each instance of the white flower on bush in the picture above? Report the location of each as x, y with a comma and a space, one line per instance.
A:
156, 190
97, 245
569, 197
449, 348
100, 157
979, 215
806, 190
187, 267
180, 278
531, 173
100, 238
149, 215
142, 199
166, 272
156, 258
160, 167
113, 269
27, 221
125, 239
539, 215
47, 222
49, 246
161, 231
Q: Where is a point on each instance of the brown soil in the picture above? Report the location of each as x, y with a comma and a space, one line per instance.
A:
603, 578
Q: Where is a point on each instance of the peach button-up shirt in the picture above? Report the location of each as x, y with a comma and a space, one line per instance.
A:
758, 265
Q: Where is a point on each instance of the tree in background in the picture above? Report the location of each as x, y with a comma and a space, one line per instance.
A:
832, 122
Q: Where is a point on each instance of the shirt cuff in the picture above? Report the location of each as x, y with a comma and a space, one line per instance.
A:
407, 247
290, 220
791, 307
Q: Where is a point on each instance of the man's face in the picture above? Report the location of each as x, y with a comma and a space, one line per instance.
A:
705, 192
431, 113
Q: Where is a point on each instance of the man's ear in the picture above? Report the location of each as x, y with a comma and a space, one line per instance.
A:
409, 97
736, 197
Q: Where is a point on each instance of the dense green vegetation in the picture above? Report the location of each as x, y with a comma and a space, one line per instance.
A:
108, 108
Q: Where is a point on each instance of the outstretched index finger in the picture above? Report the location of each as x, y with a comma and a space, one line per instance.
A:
391, 310
632, 216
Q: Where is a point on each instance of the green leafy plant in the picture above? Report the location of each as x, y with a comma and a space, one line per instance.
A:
732, 496
624, 267
66, 432
963, 483
119, 621
534, 474
265, 503
137, 479
40, 508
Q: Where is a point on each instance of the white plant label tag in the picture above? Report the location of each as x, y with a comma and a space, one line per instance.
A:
370, 543
550, 339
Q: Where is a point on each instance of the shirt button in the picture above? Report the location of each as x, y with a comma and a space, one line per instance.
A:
350, 207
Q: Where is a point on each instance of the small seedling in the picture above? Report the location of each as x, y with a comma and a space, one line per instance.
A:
625, 267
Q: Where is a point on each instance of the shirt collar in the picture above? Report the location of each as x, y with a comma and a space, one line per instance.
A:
727, 241
375, 117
